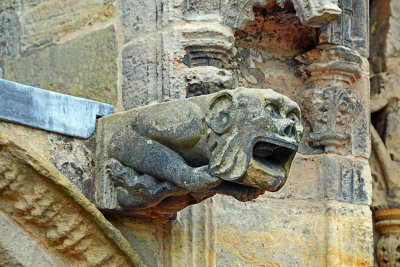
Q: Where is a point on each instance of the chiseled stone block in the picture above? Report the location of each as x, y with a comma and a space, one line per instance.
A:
46, 21
138, 17
140, 74
328, 177
84, 67
268, 232
17, 248
9, 29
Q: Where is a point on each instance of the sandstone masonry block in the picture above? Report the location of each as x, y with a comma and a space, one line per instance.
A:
327, 177
43, 22
84, 67
269, 232
139, 72
9, 29
138, 17
17, 248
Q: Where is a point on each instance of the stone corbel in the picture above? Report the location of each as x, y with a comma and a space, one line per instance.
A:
156, 160
208, 47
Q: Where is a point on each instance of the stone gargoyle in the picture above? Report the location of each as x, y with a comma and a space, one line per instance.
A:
236, 142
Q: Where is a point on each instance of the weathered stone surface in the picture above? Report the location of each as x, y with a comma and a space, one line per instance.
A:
351, 30
315, 234
145, 237
138, 17
72, 157
191, 237
328, 177
9, 29
140, 82
311, 12
40, 199
277, 30
193, 148
270, 232
84, 67
17, 248
387, 223
44, 22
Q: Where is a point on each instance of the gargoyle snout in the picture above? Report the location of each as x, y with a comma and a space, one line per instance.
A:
288, 129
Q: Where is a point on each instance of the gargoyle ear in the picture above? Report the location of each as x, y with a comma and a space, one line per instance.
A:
219, 115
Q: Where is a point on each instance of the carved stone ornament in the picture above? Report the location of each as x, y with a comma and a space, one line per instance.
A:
331, 65
315, 13
330, 112
388, 246
235, 142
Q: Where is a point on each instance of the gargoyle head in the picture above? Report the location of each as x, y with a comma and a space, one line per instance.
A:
253, 136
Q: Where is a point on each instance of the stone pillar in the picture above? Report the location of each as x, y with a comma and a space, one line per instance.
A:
387, 223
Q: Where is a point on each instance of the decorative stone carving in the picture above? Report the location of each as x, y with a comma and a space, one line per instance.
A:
332, 103
238, 142
331, 65
330, 113
41, 200
315, 13
388, 247
208, 47
350, 29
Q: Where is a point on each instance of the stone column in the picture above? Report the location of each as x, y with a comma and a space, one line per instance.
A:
387, 223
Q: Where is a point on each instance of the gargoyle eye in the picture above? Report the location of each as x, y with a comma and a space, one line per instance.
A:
293, 116
272, 109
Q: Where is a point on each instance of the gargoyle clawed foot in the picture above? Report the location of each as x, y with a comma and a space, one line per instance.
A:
147, 188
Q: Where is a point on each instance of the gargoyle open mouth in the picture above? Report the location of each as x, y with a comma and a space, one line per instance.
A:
269, 165
272, 154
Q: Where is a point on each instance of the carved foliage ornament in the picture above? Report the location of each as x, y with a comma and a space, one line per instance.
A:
330, 112
239, 142
388, 246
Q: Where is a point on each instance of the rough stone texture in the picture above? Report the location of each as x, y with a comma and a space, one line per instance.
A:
271, 51
9, 29
385, 160
39, 199
296, 241
17, 248
72, 157
140, 73
191, 237
351, 30
45, 22
292, 233
84, 67
328, 177
145, 237
138, 17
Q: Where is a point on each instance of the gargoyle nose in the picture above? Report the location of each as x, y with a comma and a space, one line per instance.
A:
288, 130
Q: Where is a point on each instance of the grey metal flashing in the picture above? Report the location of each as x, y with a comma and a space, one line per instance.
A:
50, 111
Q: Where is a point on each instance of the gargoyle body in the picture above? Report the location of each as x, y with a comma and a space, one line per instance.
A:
237, 142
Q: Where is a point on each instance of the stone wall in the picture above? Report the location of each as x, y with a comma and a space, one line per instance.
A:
132, 53
385, 117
